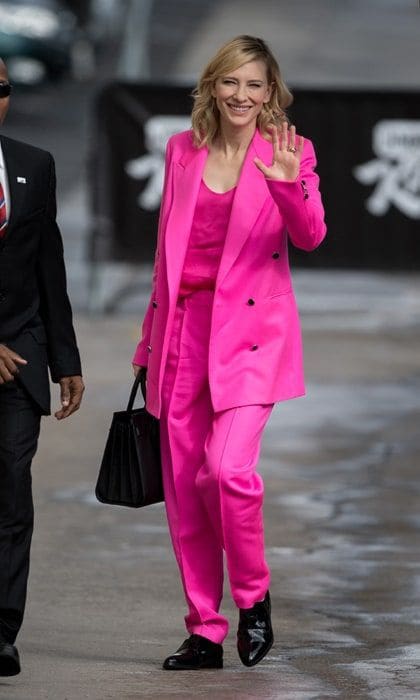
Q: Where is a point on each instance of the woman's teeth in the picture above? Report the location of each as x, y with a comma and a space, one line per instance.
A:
238, 109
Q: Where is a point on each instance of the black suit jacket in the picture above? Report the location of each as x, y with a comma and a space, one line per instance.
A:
35, 312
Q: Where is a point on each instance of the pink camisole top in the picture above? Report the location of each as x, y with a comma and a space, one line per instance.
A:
207, 238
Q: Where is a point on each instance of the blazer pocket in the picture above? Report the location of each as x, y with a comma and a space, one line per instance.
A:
38, 332
289, 290
26, 219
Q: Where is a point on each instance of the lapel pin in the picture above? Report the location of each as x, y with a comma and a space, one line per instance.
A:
21, 179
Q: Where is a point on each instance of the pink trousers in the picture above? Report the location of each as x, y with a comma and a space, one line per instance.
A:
213, 494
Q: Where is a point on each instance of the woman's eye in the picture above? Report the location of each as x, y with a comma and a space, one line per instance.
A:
228, 82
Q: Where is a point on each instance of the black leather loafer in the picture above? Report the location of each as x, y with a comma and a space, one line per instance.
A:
255, 633
195, 653
9, 659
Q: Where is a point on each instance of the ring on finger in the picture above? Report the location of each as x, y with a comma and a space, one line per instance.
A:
292, 149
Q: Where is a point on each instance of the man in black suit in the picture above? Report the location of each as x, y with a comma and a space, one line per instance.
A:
36, 332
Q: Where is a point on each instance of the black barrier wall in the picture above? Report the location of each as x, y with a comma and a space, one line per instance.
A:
368, 149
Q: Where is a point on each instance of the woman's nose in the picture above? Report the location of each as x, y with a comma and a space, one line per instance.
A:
241, 93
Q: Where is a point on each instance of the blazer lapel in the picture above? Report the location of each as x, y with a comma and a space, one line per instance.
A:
250, 196
188, 173
17, 190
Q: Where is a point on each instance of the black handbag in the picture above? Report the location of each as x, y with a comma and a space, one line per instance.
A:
130, 472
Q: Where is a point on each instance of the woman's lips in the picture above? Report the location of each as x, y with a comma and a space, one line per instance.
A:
238, 109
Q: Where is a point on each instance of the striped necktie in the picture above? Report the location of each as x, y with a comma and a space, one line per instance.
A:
3, 216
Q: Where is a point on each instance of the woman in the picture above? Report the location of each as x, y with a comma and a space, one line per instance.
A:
221, 340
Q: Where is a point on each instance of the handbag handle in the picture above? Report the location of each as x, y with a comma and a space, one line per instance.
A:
140, 379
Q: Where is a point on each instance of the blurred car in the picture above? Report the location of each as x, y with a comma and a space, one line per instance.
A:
37, 39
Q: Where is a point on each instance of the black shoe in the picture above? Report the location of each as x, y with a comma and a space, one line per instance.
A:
255, 634
195, 653
9, 659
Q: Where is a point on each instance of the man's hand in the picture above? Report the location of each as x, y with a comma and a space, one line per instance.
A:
9, 361
72, 389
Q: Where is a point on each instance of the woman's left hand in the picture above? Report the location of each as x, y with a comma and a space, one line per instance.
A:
287, 152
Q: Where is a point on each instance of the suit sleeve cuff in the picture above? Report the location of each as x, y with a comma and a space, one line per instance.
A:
141, 356
58, 372
288, 194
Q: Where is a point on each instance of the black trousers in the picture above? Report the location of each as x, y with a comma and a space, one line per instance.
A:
19, 432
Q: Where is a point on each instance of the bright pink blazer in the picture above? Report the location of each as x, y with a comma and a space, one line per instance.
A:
255, 350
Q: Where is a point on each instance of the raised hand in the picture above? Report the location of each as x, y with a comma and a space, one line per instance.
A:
287, 152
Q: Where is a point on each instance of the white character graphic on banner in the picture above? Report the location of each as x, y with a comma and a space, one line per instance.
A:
157, 131
397, 169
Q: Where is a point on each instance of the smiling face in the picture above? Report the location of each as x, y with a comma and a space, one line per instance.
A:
4, 101
241, 94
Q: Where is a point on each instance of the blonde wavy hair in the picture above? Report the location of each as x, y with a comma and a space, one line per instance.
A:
240, 50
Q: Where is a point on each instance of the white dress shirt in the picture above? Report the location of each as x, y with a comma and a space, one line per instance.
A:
4, 181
